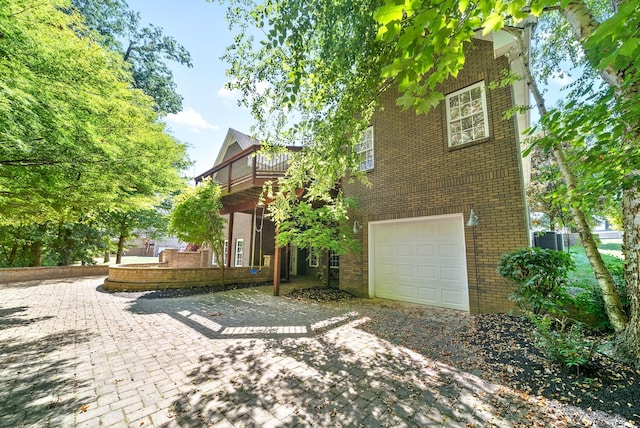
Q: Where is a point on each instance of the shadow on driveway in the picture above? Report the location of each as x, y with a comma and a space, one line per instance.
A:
291, 363
245, 313
37, 373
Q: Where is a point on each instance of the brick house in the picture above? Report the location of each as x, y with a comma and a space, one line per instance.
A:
427, 173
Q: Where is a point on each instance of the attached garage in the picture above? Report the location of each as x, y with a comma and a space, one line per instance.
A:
420, 260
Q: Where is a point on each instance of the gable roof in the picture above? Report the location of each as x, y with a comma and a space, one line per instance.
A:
234, 136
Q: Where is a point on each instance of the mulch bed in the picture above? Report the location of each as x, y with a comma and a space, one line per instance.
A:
505, 347
319, 294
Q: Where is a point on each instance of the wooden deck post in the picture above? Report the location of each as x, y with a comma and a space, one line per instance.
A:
229, 239
276, 269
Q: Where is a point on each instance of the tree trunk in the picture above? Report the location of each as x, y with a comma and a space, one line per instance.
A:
36, 254
11, 257
612, 303
613, 306
628, 340
121, 239
64, 245
578, 15
107, 256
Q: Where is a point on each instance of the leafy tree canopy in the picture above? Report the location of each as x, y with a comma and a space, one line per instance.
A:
147, 49
196, 217
75, 136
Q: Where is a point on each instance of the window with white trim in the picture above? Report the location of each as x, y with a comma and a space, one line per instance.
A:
334, 260
365, 149
225, 247
467, 119
313, 257
239, 252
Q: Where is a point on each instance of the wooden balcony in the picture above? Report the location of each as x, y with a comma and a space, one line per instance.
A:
242, 176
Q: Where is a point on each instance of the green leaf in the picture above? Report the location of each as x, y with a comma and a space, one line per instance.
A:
493, 23
389, 12
629, 47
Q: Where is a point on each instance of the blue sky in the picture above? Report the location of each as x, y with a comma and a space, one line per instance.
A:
208, 109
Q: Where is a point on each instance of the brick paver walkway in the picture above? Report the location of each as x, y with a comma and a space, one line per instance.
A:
72, 355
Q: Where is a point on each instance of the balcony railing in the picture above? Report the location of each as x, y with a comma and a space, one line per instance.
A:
249, 168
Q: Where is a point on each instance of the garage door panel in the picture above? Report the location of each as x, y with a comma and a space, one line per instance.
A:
406, 290
405, 250
427, 295
452, 251
427, 230
452, 298
387, 269
428, 259
404, 231
425, 250
426, 272
405, 270
450, 274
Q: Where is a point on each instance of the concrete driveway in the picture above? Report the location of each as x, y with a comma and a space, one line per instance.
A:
73, 355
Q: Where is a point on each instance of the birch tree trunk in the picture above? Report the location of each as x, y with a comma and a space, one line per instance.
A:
629, 340
612, 303
578, 15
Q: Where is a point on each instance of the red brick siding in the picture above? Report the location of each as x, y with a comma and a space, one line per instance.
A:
416, 174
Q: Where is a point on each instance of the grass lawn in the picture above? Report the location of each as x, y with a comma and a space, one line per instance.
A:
127, 260
583, 274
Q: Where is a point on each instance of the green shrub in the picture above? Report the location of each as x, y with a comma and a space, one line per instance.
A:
591, 303
590, 308
540, 276
563, 343
616, 268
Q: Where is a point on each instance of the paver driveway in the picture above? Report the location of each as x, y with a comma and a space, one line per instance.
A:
72, 355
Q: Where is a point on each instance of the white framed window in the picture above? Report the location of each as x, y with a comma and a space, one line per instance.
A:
239, 252
365, 149
225, 247
467, 119
334, 260
313, 257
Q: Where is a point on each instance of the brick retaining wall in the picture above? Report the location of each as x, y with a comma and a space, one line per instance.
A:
157, 276
50, 272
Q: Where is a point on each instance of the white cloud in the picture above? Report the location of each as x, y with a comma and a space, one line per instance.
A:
235, 94
191, 119
261, 87
228, 94
562, 79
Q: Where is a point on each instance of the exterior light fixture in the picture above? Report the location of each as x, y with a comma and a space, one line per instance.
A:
356, 226
472, 223
473, 219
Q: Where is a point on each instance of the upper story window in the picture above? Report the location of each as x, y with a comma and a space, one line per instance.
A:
365, 149
225, 248
467, 115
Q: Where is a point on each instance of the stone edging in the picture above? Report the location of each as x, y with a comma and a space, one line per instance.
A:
8, 275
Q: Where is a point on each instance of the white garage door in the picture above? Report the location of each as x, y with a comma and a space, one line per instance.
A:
420, 260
